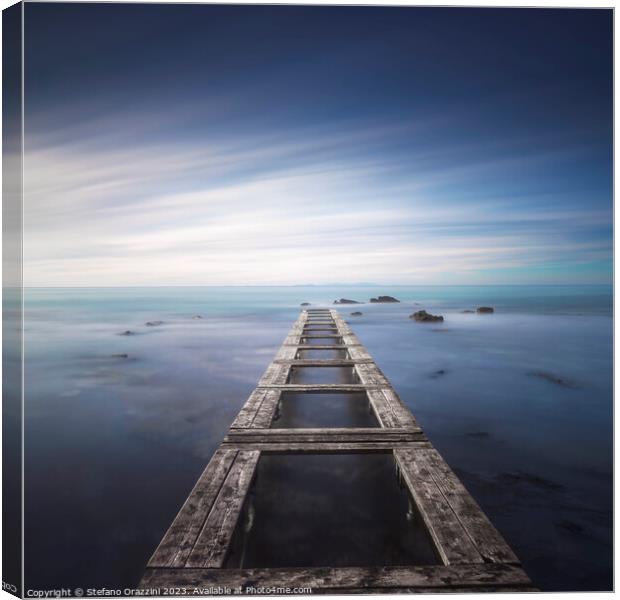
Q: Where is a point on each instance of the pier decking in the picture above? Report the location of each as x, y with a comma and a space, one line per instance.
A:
471, 555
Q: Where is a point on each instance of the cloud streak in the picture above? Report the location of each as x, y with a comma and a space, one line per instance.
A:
285, 210
252, 156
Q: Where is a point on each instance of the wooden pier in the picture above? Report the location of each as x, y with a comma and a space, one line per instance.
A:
471, 554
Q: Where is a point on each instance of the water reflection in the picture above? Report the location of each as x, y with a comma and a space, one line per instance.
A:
315, 375
316, 510
324, 410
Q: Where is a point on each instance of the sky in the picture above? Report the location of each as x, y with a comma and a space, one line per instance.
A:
281, 145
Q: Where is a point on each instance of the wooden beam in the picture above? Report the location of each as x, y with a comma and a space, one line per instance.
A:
214, 539
427, 578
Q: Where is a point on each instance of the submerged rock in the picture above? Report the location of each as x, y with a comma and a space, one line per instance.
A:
121, 355
438, 373
468, 312
346, 301
384, 299
520, 477
305, 303
194, 317
357, 313
153, 323
481, 435
570, 526
127, 333
423, 317
485, 310
551, 378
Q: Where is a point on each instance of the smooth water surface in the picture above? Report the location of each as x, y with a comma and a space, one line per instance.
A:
324, 410
321, 510
119, 427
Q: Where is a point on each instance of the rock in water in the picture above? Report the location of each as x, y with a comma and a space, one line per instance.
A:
384, 299
346, 301
423, 317
123, 355
357, 313
552, 378
127, 333
305, 303
197, 317
485, 310
153, 323
468, 312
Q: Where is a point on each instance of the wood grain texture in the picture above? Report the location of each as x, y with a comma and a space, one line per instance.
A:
376, 434
489, 542
177, 543
214, 539
248, 413
451, 539
472, 578
346, 447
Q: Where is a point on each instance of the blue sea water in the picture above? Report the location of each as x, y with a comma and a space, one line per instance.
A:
518, 402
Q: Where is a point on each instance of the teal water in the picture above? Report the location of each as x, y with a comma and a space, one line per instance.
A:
518, 402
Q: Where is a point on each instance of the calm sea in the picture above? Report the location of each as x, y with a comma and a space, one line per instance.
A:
519, 403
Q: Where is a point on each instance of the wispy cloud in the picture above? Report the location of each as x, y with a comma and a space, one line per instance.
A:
350, 202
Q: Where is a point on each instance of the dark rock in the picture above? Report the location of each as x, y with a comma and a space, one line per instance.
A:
481, 435
305, 303
423, 317
468, 312
551, 378
197, 317
519, 477
384, 299
438, 373
153, 323
127, 333
482, 310
570, 526
119, 355
346, 301
357, 313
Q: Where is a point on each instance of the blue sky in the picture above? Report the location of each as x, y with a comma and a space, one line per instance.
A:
208, 145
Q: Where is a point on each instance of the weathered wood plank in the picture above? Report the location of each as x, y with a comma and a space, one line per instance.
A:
326, 447
362, 434
214, 539
177, 543
310, 431
381, 408
435, 578
403, 414
267, 410
286, 353
390, 409
322, 362
276, 374
483, 534
369, 374
248, 412
320, 387
358, 352
320, 346
451, 539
